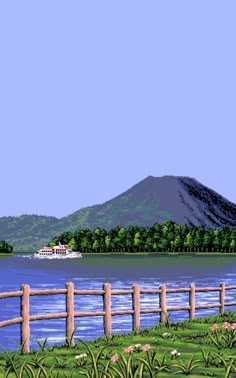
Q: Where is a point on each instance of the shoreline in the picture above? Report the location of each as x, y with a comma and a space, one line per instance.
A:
136, 253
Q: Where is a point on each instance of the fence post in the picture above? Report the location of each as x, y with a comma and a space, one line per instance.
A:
107, 309
163, 303
192, 301
70, 312
136, 307
25, 327
222, 298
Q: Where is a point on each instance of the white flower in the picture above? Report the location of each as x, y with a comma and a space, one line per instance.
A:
81, 355
174, 354
166, 334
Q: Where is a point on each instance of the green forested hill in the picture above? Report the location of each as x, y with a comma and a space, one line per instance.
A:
182, 200
28, 232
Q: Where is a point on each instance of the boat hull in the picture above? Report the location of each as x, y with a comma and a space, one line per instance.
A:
69, 255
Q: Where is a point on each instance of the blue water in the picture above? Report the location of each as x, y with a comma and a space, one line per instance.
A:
121, 272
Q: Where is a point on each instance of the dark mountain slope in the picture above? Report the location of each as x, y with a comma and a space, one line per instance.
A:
208, 207
159, 199
153, 200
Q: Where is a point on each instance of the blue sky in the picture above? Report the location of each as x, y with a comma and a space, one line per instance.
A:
97, 95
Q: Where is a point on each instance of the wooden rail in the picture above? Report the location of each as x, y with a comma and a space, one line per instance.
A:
107, 313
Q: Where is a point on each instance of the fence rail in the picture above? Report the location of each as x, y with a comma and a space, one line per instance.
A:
107, 313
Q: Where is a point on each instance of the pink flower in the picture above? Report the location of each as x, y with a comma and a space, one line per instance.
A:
129, 349
114, 358
146, 347
214, 327
233, 326
226, 325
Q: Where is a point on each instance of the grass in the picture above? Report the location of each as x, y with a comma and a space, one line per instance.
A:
154, 253
188, 348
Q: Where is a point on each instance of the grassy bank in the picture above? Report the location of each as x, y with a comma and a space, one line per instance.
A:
185, 348
158, 253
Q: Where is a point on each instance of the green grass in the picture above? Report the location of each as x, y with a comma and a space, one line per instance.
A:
195, 353
161, 253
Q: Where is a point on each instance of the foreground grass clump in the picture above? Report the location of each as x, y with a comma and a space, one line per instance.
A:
200, 348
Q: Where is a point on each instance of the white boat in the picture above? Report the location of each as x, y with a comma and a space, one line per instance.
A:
58, 251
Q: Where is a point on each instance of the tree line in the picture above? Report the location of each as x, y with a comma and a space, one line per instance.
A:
165, 237
5, 247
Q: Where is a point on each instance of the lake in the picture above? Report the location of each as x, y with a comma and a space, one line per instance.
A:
121, 271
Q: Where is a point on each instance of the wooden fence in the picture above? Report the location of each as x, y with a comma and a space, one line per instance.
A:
25, 317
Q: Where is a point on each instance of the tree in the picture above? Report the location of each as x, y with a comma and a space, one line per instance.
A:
53, 242
78, 236
96, 245
86, 242
168, 236
156, 230
198, 240
65, 237
99, 236
114, 238
167, 228
178, 243
232, 245
130, 237
185, 230
163, 244
137, 241
122, 238
225, 243
107, 242
188, 242
5, 247
216, 242
147, 239
73, 245
129, 240
206, 241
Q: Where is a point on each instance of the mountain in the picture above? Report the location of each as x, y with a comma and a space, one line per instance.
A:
181, 199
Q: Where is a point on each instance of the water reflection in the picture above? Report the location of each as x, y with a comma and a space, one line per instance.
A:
121, 272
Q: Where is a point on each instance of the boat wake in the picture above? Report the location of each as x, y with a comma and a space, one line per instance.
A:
72, 255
